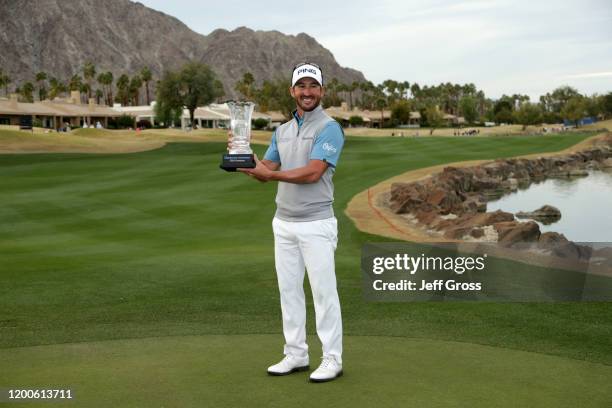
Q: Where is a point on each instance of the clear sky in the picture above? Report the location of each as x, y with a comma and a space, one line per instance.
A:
503, 46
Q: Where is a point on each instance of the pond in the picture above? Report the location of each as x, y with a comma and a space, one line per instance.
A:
585, 204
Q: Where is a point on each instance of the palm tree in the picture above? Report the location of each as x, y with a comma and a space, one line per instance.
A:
123, 85
110, 78
380, 104
102, 81
469, 89
84, 90
75, 83
446, 97
89, 73
391, 87
415, 90
402, 88
99, 95
56, 87
341, 87
352, 88
26, 92
41, 77
246, 86
406, 86
106, 80
146, 76
480, 100
366, 97
6, 80
332, 86
455, 92
135, 85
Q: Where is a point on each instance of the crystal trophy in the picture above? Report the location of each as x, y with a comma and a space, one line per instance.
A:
240, 154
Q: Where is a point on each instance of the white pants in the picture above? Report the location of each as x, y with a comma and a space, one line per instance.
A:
310, 245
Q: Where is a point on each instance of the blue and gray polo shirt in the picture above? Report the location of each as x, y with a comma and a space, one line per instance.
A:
315, 136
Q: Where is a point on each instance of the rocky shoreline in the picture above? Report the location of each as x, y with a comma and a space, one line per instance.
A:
452, 204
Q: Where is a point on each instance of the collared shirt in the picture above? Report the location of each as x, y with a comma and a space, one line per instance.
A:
315, 136
327, 147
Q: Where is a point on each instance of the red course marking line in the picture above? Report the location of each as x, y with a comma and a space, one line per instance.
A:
380, 214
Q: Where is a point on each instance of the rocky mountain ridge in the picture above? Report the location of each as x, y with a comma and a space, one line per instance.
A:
121, 36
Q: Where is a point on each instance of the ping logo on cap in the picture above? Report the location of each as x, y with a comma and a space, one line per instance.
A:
307, 71
304, 70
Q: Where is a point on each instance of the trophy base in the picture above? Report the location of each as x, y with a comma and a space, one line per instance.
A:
232, 162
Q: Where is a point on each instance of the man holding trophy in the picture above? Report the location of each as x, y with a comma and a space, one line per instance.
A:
302, 157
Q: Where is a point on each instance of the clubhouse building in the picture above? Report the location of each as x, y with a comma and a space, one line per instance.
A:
71, 112
54, 114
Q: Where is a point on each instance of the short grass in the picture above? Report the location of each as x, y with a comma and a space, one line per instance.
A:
98, 247
229, 371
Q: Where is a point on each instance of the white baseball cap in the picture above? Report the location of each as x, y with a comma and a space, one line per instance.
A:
307, 70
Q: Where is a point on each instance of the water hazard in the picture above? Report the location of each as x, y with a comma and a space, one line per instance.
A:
585, 204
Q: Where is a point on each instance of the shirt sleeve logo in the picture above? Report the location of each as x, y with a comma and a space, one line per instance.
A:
329, 148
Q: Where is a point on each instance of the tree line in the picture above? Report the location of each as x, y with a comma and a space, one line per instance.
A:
196, 85
432, 102
102, 86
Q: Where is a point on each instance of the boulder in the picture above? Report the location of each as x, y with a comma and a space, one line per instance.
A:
485, 184
602, 256
512, 184
462, 226
504, 226
459, 180
456, 232
405, 197
482, 219
593, 165
551, 238
607, 163
547, 214
577, 173
444, 199
477, 233
571, 250
475, 203
427, 218
519, 233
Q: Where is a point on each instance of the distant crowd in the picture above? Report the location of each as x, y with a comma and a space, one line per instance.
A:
554, 129
468, 132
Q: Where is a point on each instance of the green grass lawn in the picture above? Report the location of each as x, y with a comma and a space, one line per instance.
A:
227, 371
163, 243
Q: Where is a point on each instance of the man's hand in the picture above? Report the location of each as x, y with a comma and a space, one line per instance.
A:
261, 172
230, 139
266, 171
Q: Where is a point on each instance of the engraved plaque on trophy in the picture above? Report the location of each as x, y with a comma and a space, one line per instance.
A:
240, 154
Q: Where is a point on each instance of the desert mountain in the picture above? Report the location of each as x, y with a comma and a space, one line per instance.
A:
121, 36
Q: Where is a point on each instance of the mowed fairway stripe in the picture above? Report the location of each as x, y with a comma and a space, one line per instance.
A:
229, 371
98, 247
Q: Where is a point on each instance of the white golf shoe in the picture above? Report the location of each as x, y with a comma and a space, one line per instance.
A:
328, 370
289, 364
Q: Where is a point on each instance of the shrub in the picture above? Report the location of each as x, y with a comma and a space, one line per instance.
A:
144, 124
356, 121
551, 117
260, 123
122, 122
400, 113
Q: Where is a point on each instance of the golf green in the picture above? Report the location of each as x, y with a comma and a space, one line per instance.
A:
229, 371
97, 249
